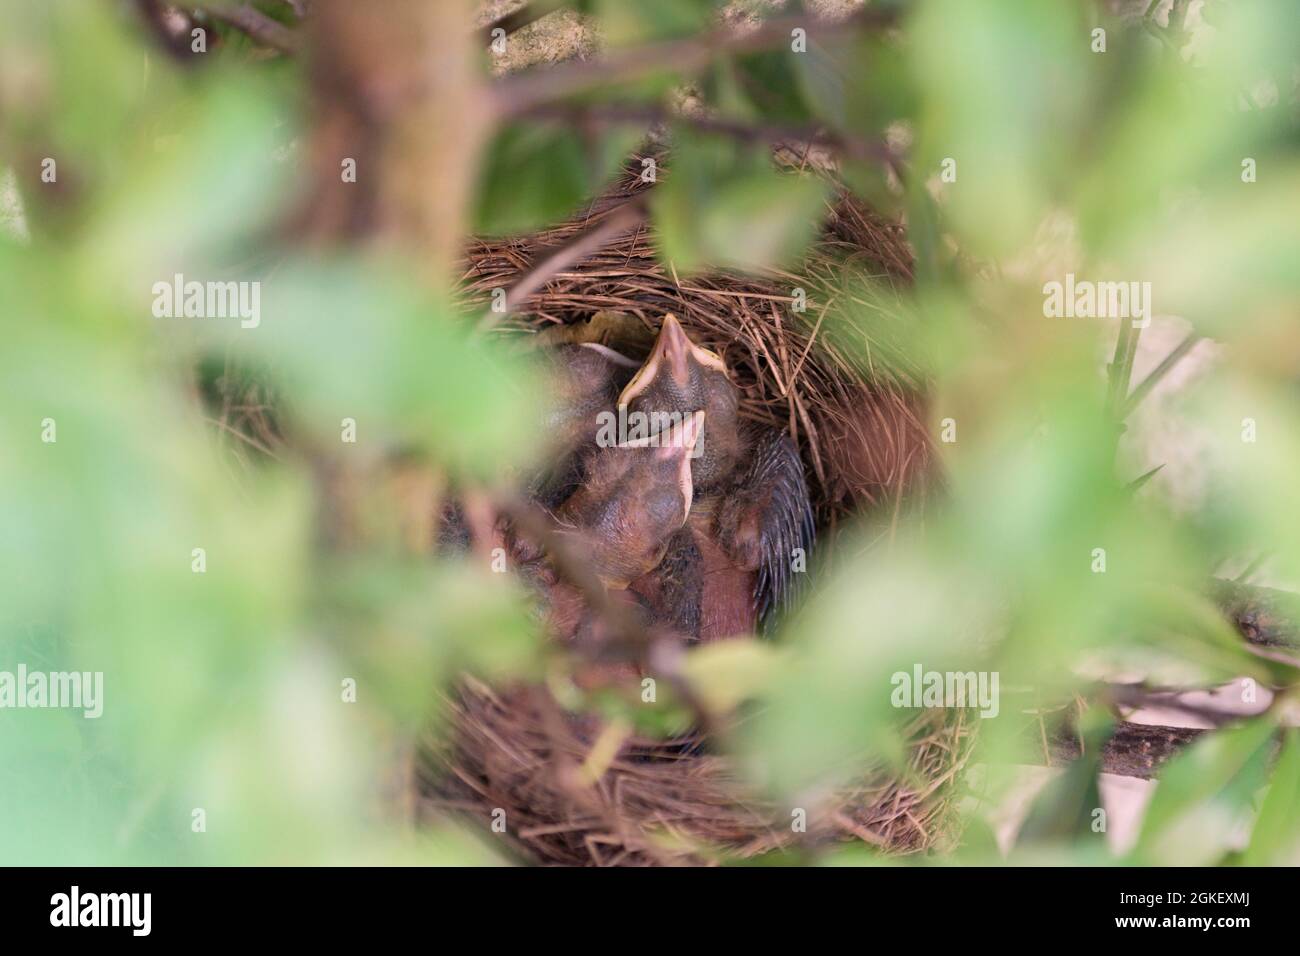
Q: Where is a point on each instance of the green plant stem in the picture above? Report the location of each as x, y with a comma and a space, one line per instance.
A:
1158, 373
1121, 366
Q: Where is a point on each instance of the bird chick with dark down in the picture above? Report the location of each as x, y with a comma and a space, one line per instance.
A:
630, 508
633, 498
585, 382
751, 513
680, 378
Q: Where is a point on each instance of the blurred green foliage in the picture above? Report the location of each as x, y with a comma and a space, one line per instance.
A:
224, 689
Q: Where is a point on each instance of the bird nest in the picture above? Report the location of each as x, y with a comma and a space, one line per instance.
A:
516, 757
794, 342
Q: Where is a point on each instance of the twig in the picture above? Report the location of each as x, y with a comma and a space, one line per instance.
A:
1157, 373
517, 20
1265, 617
1138, 696
854, 147
521, 92
619, 220
1133, 750
256, 25
175, 43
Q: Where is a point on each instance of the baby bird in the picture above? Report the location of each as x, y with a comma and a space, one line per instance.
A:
632, 500
681, 377
748, 535
586, 379
631, 506
751, 509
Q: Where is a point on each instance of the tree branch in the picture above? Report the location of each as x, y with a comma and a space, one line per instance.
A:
1158, 373
513, 22
855, 147
1133, 750
617, 221
1265, 617
176, 44
1139, 696
521, 92
256, 25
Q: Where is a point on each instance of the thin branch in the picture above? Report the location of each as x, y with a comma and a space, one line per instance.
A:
521, 92
1133, 750
617, 221
1158, 373
256, 25
1120, 370
176, 44
1265, 617
513, 22
854, 147
1139, 696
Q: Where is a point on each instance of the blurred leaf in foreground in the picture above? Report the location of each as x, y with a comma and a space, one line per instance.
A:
726, 206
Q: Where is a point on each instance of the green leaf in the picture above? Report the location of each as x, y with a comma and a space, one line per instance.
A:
724, 207
995, 77
533, 176
769, 81
626, 24
838, 704
1204, 795
857, 83
352, 342
727, 673
412, 627
1276, 838
1066, 809
193, 198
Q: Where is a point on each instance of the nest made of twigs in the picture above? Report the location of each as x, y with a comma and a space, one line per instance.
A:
857, 413
858, 422
660, 803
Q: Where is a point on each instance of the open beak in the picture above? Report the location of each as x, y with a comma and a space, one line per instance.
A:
681, 444
673, 353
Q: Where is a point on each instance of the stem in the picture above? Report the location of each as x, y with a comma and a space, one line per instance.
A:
522, 92
1159, 372
177, 45
256, 25
1265, 617
854, 147
619, 220
1133, 750
513, 22
1121, 364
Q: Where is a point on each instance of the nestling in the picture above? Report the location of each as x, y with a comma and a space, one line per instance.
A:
586, 379
680, 378
751, 509
632, 500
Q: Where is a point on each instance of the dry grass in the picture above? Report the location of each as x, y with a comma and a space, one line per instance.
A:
665, 803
